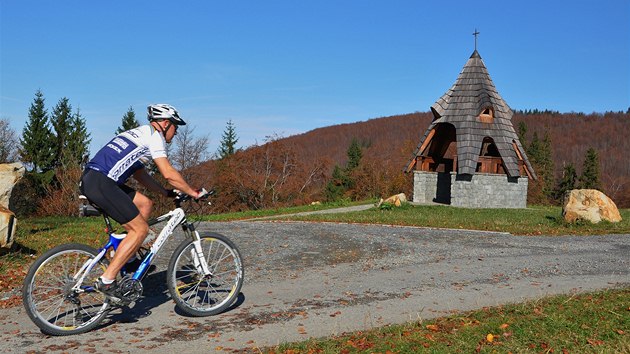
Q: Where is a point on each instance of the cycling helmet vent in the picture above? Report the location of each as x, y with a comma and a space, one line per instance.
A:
164, 111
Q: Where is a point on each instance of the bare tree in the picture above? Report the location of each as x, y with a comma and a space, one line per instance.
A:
8, 142
188, 150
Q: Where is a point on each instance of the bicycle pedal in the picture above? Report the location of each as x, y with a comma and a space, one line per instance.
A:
129, 305
120, 302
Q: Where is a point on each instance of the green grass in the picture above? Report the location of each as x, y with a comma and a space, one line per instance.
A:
252, 214
35, 236
586, 323
535, 220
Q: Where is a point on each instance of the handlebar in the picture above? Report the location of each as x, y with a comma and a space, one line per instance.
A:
182, 197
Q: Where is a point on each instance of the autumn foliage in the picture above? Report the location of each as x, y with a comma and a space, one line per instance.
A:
573, 134
294, 170
264, 176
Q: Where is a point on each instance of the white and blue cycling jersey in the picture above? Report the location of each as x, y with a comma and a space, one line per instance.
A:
128, 152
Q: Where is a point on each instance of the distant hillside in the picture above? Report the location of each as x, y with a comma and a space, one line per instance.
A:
394, 138
390, 139
389, 143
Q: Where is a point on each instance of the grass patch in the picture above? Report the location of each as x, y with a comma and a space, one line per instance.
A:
35, 236
596, 322
535, 220
252, 214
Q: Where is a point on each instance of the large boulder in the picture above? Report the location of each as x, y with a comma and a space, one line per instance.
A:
10, 174
396, 200
7, 227
589, 204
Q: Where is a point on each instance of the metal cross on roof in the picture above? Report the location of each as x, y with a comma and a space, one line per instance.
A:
476, 33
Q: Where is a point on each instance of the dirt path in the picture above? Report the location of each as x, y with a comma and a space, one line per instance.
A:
317, 279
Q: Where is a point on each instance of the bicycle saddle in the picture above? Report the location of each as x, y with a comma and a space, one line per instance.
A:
88, 208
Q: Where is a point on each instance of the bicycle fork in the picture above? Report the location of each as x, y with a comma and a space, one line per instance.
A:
199, 260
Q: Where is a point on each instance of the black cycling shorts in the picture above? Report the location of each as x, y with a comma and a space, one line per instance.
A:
116, 200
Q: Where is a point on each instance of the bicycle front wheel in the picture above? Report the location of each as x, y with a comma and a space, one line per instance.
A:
50, 296
197, 294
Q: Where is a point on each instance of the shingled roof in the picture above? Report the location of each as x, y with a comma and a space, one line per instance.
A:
461, 105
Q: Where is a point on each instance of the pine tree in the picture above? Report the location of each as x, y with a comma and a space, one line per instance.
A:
522, 133
128, 121
79, 140
590, 170
533, 151
61, 120
568, 182
546, 162
228, 141
37, 142
336, 187
342, 181
354, 155
540, 155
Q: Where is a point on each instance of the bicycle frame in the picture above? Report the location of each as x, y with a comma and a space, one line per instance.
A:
175, 218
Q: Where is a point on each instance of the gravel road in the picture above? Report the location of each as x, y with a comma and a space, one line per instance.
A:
318, 279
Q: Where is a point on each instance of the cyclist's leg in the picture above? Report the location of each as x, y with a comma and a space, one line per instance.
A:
137, 230
144, 204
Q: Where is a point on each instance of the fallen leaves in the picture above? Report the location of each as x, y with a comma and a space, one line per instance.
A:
361, 343
432, 327
11, 277
12, 301
594, 342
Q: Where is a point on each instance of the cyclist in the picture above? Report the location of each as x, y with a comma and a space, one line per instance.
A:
125, 156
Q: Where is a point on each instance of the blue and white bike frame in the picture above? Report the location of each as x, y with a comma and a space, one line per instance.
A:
175, 218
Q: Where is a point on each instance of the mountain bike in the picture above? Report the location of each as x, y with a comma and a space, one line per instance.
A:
204, 275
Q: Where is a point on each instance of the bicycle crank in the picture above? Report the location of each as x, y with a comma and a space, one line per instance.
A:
130, 289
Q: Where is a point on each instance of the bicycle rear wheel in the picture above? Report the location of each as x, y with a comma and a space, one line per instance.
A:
199, 295
49, 299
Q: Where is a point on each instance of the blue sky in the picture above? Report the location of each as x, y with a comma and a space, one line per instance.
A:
287, 67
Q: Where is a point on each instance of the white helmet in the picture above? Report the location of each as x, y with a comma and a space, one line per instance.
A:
164, 111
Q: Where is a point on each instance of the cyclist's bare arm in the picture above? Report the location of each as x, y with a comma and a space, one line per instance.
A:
173, 177
149, 182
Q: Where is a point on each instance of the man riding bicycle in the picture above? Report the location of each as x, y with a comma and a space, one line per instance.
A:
125, 156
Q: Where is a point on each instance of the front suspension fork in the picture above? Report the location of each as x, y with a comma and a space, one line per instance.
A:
199, 260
